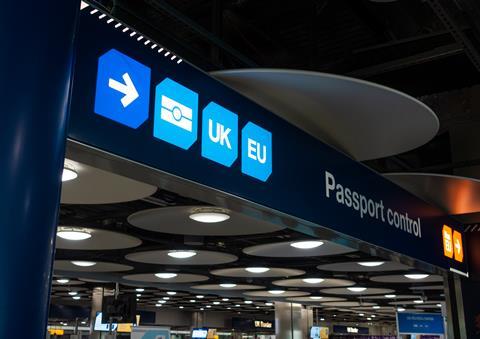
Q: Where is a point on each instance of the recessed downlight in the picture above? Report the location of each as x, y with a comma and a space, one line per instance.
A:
376, 307
69, 174
257, 269
313, 280
356, 289
76, 297
276, 292
162, 301
83, 263
158, 305
73, 234
63, 281
166, 275
371, 263
200, 296
72, 293
171, 293
248, 302
209, 215
140, 290
268, 304
216, 302
416, 276
390, 296
306, 245
400, 309
418, 301
166, 298
316, 297
225, 299
180, 254
228, 285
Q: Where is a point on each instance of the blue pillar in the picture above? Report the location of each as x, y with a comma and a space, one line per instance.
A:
36, 55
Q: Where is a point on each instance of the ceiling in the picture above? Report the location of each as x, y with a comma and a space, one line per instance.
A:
131, 255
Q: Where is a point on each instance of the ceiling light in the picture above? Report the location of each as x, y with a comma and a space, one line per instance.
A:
225, 299
162, 301
140, 290
390, 296
400, 309
84, 263
371, 263
416, 276
228, 285
369, 318
76, 297
257, 269
192, 300
180, 307
313, 280
63, 281
306, 245
209, 215
201, 309
356, 289
216, 302
276, 291
158, 305
373, 316
73, 234
257, 307
361, 314
83, 322
237, 305
322, 319
139, 295
166, 298
316, 297
68, 174
182, 254
268, 304
439, 305
166, 275
72, 293
419, 301
171, 293
376, 307
208, 306
200, 296
248, 302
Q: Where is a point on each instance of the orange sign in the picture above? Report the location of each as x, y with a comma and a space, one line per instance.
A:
447, 241
458, 246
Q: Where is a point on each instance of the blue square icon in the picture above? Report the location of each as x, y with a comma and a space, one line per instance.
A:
176, 114
256, 152
219, 134
123, 89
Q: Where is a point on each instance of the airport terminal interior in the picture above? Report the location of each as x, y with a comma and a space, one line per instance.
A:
244, 169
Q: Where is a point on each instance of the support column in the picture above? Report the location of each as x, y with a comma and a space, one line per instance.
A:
35, 70
291, 321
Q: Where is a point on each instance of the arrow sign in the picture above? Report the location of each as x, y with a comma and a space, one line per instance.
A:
127, 88
458, 247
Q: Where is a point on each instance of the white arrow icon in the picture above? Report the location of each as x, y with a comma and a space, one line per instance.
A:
127, 88
457, 246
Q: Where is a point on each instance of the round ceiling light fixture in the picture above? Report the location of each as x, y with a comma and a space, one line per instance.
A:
307, 245
181, 254
171, 293
371, 263
72, 293
228, 285
316, 297
82, 263
225, 299
418, 301
268, 304
390, 296
257, 269
276, 292
76, 297
209, 215
166, 275
400, 309
69, 173
313, 280
140, 290
63, 281
356, 289
248, 302
200, 296
376, 307
416, 276
73, 234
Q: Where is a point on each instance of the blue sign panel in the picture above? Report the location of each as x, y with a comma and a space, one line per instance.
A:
176, 114
256, 151
420, 323
247, 151
219, 134
123, 89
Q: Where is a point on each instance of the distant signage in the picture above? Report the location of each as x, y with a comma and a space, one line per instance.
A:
420, 323
350, 329
263, 324
135, 99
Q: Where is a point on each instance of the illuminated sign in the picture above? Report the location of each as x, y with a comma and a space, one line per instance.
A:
452, 243
420, 323
56, 331
457, 246
263, 324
